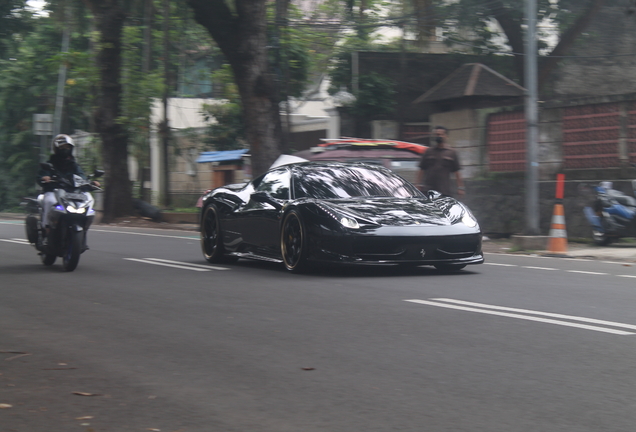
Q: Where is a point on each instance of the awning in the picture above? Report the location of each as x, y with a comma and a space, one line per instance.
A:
221, 156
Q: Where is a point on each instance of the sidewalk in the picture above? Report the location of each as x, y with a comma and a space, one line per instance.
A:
624, 251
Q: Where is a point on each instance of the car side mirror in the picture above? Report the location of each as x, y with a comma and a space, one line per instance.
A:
265, 198
433, 194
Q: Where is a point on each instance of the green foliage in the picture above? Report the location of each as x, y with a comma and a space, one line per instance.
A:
376, 96
139, 89
458, 16
15, 21
228, 130
26, 86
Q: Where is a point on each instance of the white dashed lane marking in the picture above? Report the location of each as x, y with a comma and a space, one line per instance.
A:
176, 264
530, 315
568, 271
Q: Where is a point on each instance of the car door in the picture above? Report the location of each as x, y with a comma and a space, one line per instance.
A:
260, 217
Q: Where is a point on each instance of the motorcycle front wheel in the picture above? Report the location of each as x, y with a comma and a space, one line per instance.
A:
72, 250
47, 259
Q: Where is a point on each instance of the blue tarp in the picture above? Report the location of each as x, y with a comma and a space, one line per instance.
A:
221, 156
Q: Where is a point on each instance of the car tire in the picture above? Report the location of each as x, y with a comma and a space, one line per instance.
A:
449, 267
293, 242
212, 236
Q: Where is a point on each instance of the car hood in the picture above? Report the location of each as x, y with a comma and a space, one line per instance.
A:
402, 211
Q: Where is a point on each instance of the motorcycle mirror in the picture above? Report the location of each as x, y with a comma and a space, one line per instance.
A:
46, 165
98, 173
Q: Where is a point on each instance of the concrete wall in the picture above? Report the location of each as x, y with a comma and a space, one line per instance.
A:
499, 202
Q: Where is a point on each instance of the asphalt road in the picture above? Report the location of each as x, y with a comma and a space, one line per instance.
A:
145, 335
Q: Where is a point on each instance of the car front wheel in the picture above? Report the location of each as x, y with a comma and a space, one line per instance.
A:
211, 241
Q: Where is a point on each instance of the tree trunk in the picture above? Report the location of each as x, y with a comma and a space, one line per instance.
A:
242, 38
514, 32
109, 19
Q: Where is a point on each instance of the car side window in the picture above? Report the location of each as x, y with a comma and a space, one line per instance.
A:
276, 183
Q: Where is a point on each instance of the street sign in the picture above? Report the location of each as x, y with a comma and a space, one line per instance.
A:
43, 124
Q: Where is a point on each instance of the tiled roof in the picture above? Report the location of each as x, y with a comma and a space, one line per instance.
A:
472, 79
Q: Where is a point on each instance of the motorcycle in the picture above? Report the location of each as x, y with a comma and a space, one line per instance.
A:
69, 219
611, 213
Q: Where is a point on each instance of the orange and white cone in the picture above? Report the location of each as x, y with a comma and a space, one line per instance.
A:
558, 242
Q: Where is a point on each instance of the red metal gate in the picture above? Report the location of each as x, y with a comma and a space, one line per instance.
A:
631, 132
507, 141
590, 136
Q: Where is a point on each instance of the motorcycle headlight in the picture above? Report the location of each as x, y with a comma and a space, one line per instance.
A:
72, 209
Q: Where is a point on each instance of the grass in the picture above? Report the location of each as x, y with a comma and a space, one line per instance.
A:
185, 210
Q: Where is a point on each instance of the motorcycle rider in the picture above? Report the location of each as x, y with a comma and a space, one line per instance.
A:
65, 166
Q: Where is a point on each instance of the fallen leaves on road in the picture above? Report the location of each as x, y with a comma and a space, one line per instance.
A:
308, 368
68, 368
84, 418
5, 406
85, 394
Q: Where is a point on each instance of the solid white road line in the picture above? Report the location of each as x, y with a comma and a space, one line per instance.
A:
144, 234
188, 264
528, 311
146, 261
500, 264
24, 242
523, 317
586, 272
538, 268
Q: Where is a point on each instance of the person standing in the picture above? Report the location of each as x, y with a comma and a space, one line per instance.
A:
437, 164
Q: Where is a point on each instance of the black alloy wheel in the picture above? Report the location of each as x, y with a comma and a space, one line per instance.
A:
211, 237
293, 242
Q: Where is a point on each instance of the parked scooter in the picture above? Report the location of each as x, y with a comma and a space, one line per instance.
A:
69, 220
611, 213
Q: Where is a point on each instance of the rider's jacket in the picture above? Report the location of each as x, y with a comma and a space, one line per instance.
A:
65, 167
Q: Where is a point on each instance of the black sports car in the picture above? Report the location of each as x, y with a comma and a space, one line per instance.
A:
336, 212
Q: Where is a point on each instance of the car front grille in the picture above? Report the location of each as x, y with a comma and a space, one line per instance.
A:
420, 248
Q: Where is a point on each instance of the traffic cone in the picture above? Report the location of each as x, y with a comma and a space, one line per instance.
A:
558, 242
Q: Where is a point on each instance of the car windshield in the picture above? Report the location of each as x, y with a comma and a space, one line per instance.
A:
333, 182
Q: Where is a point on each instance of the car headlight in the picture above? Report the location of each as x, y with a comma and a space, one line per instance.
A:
469, 220
348, 222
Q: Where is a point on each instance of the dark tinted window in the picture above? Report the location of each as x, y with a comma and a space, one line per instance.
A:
332, 182
275, 183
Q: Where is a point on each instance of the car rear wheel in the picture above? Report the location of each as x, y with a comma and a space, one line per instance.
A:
449, 267
293, 242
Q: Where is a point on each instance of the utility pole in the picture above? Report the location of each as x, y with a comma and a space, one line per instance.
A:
61, 75
532, 121
165, 129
